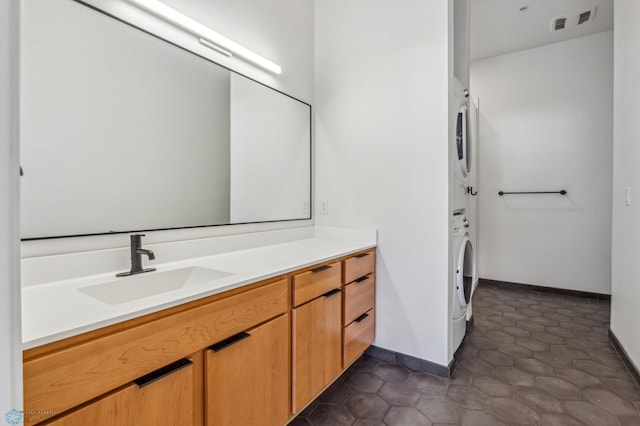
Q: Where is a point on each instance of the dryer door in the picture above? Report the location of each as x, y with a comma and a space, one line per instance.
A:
465, 272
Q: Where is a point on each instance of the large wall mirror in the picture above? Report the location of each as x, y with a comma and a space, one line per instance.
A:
122, 131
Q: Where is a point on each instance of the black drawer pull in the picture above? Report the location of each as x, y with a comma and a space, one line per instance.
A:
361, 318
321, 268
361, 255
162, 372
362, 279
229, 341
332, 292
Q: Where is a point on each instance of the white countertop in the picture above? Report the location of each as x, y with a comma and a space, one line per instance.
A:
56, 310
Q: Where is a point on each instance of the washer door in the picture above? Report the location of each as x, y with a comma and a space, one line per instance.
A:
462, 140
465, 272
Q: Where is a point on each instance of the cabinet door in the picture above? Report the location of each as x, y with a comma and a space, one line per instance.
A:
317, 334
247, 377
164, 397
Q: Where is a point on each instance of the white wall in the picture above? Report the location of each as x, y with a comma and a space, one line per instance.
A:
382, 154
625, 277
546, 124
10, 332
281, 30
461, 32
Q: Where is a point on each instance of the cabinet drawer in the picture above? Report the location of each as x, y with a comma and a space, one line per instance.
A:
359, 266
358, 336
65, 378
311, 284
359, 297
166, 400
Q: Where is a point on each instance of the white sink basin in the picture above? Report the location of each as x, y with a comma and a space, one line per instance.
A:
135, 287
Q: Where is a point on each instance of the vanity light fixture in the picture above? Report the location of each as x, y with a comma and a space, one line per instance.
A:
208, 37
215, 47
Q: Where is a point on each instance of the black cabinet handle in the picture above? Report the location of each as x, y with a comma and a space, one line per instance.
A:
229, 341
361, 255
362, 279
162, 372
321, 268
332, 292
361, 318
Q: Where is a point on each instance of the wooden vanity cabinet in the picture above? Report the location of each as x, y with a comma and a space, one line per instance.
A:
162, 398
359, 304
317, 332
255, 355
247, 377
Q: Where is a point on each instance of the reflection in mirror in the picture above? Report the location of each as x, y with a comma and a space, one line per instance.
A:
122, 131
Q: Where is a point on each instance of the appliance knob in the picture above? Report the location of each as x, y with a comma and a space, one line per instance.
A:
465, 222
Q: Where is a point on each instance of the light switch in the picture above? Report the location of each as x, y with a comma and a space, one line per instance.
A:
627, 196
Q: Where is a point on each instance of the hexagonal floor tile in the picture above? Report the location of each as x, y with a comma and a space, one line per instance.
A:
499, 336
330, 415
399, 394
545, 337
569, 351
623, 388
559, 388
516, 351
493, 386
461, 376
515, 376
595, 368
391, 372
367, 406
539, 400
577, 377
517, 331
364, 382
367, 422
427, 384
480, 418
337, 393
496, 358
610, 402
439, 409
553, 360
532, 344
534, 366
403, 416
558, 420
589, 414
468, 397
513, 412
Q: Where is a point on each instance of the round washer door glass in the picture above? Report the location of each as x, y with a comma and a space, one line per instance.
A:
465, 271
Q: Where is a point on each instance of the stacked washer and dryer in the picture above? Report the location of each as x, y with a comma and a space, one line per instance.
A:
463, 220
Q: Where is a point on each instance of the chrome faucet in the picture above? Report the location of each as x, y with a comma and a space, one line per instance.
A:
136, 257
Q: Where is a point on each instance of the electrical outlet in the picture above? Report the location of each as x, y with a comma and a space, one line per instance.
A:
324, 207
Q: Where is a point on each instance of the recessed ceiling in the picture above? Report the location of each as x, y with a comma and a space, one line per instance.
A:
500, 26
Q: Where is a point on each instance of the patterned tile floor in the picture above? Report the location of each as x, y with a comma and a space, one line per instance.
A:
531, 359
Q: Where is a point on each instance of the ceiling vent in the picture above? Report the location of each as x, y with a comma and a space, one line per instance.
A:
573, 20
586, 16
558, 24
